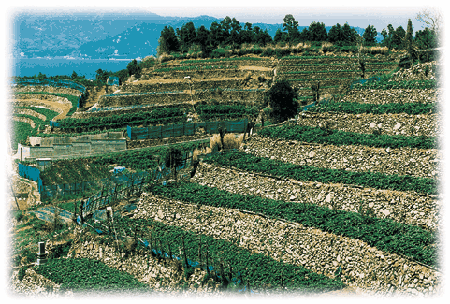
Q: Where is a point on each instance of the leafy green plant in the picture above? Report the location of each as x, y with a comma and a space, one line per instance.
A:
340, 138
81, 275
249, 162
359, 108
384, 234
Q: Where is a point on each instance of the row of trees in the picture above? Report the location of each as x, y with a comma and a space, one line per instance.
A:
230, 32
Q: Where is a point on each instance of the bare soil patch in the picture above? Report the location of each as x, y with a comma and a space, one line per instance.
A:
255, 68
56, 103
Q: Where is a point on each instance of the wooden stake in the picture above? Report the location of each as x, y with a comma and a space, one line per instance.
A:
184, 253
207, 263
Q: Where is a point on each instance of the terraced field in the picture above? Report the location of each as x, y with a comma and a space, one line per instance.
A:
343, 198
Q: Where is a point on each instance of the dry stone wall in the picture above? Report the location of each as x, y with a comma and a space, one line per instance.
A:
401, 161
25, 120
389, 124
33, 284
403, 207
163, 276
30, 112
46, 89
364, 267
393, 96
137, 99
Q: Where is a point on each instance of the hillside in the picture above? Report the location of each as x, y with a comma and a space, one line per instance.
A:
342, 199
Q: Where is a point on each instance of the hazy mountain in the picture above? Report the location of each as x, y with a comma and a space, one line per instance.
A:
130, 34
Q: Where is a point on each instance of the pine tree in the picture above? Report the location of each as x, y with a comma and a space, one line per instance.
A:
408, 41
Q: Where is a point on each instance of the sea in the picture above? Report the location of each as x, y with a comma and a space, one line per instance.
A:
57, 67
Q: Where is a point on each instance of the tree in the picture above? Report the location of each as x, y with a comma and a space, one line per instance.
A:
247, 35
262, 37
225, 26
235, 33
433, 19
408, 40
168, 41
370, 35
336, 34
398, 38
41, 76
74, 75
305, 35
173, 160
202, 39
281, 99
388, 36
280, 36
350, 34
290, 25
102, 75
215, 34
425, 39
317, 31
134, 69
186, 36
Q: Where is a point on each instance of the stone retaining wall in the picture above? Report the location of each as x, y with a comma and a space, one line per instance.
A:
164, 276
364, 267
389, 124
402, 161
393, 96
403, 207
30, 112
46, 89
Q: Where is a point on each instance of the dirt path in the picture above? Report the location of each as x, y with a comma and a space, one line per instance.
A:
255, 68
31, 113
93, 97
56, 103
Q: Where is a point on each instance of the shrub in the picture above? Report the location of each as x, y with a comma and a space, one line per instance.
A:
215, 143
230, 141
281, 99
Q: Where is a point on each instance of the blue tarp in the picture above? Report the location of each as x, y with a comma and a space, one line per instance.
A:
118, 169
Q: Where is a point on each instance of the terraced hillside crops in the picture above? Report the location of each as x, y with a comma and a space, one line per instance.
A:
343, 198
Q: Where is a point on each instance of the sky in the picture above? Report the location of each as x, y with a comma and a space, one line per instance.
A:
330, 12
362, 17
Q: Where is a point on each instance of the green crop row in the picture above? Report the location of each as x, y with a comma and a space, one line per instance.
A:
206, 112
73, 171
117, 121
82, 133
333, 71
321, 79
341, 138
384, 234
336, 64
250, 162
146, 158
394, 108
223, 59
389, 84
246, 266
313, 57
322, 88
81, 275
195, 68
